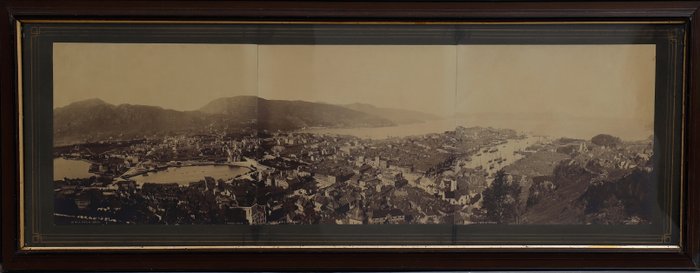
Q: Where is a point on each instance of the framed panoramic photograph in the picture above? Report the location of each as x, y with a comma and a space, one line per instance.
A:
349, 136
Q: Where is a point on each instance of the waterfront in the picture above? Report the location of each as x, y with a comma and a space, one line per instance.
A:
551, 126
495, 158
413, 129
70, 168
187, 174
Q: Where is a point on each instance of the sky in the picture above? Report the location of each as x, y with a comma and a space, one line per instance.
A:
588, 81
597, 81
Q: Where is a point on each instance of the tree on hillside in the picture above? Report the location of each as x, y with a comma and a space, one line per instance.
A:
606, 140
501, 200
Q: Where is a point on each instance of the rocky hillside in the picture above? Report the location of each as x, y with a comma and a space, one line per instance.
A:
96, 120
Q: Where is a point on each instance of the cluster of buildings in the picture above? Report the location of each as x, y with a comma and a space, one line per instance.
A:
291, 178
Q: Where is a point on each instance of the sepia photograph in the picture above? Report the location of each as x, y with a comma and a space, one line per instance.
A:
274, 134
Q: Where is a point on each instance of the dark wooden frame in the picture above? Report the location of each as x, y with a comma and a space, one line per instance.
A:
15, 259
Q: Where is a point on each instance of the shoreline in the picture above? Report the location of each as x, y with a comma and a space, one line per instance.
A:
192, 164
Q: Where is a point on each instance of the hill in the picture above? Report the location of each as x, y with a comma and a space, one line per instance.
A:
286, 115
96, 120
398, 116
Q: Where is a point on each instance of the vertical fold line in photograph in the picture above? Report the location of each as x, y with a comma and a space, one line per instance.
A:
258, 78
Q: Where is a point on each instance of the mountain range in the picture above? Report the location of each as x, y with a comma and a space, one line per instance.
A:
398, 116
95, 120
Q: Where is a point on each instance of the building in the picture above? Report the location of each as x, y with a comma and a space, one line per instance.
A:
255, 214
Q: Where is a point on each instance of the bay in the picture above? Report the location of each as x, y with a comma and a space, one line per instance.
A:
188, 174
70, 168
